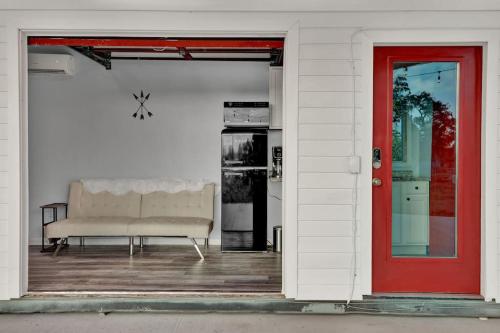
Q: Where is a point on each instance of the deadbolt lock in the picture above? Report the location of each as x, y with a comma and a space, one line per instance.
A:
377, 158
377, 182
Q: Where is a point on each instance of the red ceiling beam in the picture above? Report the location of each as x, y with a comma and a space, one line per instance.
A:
172, 50
152, 42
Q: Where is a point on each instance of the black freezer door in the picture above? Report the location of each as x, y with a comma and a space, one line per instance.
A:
244, 209
244, 148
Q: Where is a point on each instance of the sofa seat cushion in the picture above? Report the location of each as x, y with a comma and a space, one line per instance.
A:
192, 227
89, 226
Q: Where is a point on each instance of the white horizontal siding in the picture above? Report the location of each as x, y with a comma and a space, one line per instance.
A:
325, 132
325, 196
326, 291
498, 178
3, 67
4, 176
325, 180
325, 115
326, 244
324, 276
324, 164
329, 83
327, 67
325, 51
322, 35
3, 83
325, 148
320, 99
325, 260
325, 212
325, 228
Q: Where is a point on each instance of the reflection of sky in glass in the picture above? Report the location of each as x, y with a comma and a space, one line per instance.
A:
444, 90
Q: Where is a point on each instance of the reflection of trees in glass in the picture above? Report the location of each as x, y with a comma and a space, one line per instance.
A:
421, 109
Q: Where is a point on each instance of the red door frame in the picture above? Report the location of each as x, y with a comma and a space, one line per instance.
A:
443, 275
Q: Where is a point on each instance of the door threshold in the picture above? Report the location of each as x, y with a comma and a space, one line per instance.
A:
427, 296
151, 294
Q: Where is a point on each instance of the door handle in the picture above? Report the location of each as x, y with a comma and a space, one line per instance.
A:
377, 182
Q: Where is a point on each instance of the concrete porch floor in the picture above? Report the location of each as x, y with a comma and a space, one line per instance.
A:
241, 323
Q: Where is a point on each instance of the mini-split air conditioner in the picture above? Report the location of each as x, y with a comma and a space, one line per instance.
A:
51, 63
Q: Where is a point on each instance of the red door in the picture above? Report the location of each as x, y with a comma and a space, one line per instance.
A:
427, 169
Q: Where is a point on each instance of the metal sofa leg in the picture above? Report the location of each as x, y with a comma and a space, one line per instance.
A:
197, 248
141, 242
82, 241
131, 246
59, 247
206, 243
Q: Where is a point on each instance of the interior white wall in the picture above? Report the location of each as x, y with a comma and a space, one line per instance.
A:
81, 126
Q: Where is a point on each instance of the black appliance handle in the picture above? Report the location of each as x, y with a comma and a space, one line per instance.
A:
229, 173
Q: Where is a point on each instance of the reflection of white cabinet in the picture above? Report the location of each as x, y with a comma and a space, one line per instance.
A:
276, 97
410, 218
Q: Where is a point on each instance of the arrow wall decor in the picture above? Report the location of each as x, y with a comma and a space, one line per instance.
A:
142, 109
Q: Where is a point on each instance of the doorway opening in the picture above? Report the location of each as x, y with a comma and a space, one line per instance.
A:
147, 168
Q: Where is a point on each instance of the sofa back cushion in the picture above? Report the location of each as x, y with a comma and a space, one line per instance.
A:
86, 204
184, 203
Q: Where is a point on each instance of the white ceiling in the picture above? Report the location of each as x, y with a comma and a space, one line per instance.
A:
254, 5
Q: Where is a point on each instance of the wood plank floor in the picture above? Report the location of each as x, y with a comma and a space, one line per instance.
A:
155, 268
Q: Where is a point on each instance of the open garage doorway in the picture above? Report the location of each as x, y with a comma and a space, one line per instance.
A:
155, 164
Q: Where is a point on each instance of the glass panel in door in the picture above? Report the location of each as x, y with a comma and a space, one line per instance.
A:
424, 155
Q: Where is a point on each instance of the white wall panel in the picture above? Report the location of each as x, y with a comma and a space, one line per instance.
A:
4, 214
325, 196
3, 82
329, 83
3, 67
325, 244
325, 144
325, 148
326, 291
4, 163
321, 99
334, 51
324, 276
326, 35
4, 147
325, 260
325, 180
325, 212
327, 67
325, 115
325, 228
4, 131
4, 195
4, 179
324, 164
325, 132
3, 99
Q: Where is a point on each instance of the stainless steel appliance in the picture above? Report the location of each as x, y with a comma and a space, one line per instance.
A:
244, 189
246, 114
277, 158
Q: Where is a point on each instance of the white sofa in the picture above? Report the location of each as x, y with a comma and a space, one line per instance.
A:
187, 214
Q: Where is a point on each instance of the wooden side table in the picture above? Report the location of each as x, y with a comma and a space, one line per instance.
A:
55, 207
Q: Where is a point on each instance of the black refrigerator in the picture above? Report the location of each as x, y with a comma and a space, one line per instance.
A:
244, 189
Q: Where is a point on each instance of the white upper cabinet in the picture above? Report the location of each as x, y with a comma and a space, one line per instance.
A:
276, 97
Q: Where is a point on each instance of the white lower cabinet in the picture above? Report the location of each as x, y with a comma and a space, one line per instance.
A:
410, 218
